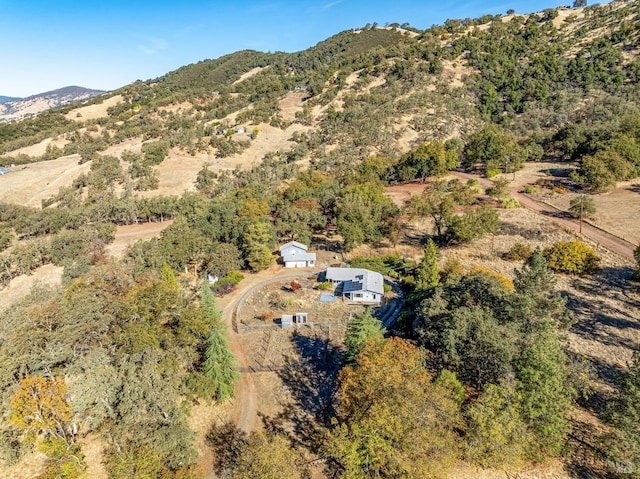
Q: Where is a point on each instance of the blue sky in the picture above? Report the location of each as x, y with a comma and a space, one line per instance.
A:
106, 44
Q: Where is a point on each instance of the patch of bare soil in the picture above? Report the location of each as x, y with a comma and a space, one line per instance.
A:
177, 174
30, 466
18, 288
277, 298
202, 419
93, 112
28, 185
291, 104
127, 235
249, 74
92, 447
269, 139
40, 149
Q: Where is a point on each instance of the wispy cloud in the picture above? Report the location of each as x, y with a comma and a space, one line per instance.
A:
329, 5
152, 45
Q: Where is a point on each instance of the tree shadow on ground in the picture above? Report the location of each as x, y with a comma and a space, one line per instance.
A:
311, 381
412, 235
226, 444
635, 188
509, 229
606, 307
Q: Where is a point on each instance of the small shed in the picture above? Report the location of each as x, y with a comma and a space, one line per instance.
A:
288, 320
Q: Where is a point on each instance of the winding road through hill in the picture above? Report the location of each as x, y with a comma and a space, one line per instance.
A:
599, 236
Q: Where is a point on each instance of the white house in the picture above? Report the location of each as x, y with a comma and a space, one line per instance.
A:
294, 255
357, 284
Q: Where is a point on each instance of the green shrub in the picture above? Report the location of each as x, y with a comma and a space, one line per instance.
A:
493, 172
573, 257
228, 282
518, 252
529, 189
325, 285
509, 203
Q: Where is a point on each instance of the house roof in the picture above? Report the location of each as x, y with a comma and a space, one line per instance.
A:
357, 279
299, 257
293, 243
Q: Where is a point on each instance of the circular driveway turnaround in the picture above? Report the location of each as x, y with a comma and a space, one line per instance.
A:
246, 410
246, 407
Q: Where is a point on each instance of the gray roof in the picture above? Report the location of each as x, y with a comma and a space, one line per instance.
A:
299, 257
357, 279
293, 243
4, 171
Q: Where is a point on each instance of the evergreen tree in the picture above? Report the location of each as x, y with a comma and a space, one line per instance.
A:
623, 412
210, 306
428, 273
360, 329
534, 304
220, 365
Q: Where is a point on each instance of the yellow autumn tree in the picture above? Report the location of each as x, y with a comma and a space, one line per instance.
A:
392, 420
40, 407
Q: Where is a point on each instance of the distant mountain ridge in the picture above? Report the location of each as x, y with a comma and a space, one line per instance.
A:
4, 99
14, 109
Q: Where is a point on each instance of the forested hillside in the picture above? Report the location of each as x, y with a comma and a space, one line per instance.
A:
475, 372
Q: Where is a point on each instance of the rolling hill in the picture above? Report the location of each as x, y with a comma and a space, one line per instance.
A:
212, 165
14, 109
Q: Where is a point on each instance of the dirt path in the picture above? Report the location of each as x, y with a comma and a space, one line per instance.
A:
246, 397
599, 236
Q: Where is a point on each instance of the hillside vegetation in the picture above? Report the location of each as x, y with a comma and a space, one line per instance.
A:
124, 349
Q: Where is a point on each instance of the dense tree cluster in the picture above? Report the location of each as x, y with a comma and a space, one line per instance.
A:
130, 349
503, 340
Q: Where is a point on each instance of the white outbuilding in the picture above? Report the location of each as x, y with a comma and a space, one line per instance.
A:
294, 255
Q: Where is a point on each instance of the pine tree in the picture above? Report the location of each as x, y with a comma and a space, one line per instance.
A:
623, 412
361, 328
534, 302
220, 365
210, 306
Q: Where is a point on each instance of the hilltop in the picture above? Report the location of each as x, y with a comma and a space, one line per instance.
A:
15, 109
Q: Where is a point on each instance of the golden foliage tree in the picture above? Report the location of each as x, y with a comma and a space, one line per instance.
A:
265, 457
40, 407
392, 420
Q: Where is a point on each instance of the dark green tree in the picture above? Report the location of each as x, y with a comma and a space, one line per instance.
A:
362, 327
494, 149
582, 207
428, 273
219, 365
